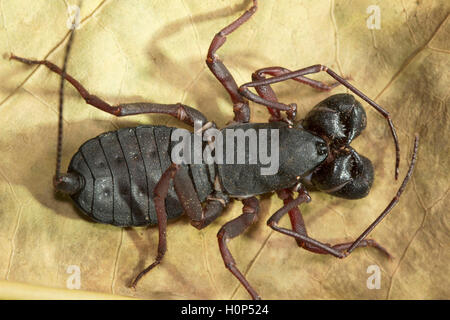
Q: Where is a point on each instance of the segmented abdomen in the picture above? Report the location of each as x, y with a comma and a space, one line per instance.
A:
120, 170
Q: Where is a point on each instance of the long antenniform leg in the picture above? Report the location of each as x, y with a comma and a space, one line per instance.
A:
298, 225
344, 249
315, 69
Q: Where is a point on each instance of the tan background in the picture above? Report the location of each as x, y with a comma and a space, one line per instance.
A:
135, 50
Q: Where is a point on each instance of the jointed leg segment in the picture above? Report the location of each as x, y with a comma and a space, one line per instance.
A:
234, 228
240, 105
299, 229
200, 217
161, 190
182, 112
267, 93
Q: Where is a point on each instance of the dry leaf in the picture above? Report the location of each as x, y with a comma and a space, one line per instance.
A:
128, 51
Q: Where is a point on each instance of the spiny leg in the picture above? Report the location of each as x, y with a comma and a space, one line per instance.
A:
182, 112
233, 229
240, 105
244, 90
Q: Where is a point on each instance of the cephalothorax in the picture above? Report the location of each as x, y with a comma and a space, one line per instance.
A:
127, 177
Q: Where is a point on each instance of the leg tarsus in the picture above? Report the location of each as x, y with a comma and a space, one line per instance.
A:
161, 190
343, 247
233, 229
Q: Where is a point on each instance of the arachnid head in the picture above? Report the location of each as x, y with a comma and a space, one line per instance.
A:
346, 174
338, 119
